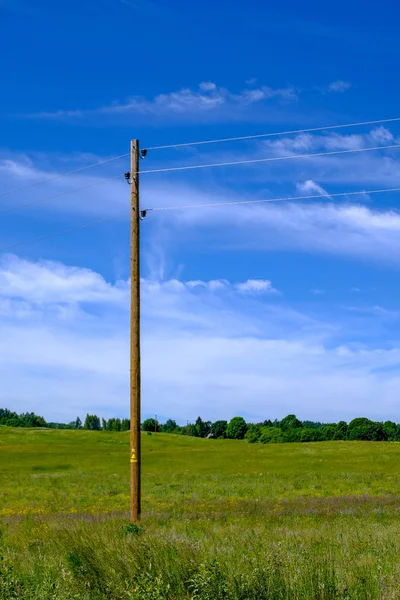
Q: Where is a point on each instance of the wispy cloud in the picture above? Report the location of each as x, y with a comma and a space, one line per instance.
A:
330, 225
311, 187
256, 286
340, 229
208, 98
339, 86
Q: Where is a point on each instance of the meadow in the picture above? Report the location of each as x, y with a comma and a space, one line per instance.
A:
221, 518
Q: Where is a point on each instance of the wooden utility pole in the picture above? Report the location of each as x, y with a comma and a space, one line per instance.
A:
135, 449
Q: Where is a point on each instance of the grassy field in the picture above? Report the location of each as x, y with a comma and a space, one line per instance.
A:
221, 518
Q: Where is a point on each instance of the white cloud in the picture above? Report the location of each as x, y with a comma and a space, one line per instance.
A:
213, 285
52, 282
208, 98
381, 135
384, 313
208, 86
214, 352
256, 286
339, 86
311, 187
341, 227
360, 171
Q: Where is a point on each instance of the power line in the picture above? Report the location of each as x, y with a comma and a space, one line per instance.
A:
63, 232
181, 207
286, 198
273, 134
80, 169
191, 167
34, 202
198, 143
269, 159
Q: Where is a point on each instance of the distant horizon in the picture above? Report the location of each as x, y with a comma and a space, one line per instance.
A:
183, 423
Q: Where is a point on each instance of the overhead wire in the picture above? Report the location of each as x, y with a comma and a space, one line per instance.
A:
274, 134
326, 196
62, 232
268, 159
194, 206
64, 193
201, 166
198, 143
58, 176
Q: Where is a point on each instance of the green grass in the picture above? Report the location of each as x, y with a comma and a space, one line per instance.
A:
221, 518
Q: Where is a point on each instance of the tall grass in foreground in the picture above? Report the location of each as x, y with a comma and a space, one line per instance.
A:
222, 520
251, 557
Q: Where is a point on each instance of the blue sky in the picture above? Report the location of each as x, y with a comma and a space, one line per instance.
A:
259, 309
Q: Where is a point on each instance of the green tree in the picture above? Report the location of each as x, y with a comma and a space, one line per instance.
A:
290, 422
116, 425
272, 435
341, 431
390, 430
218, 429
203, 428
92, 422
125, 425
237, 428
169, 426
180, 430
310, 434
358, 422
328, 431
313, 424
364, 429
150, 425
253, 433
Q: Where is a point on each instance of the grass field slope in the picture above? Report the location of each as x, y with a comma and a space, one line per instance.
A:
221, 518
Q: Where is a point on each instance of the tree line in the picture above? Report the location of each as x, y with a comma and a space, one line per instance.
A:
91, 422
12, 419
289, 429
